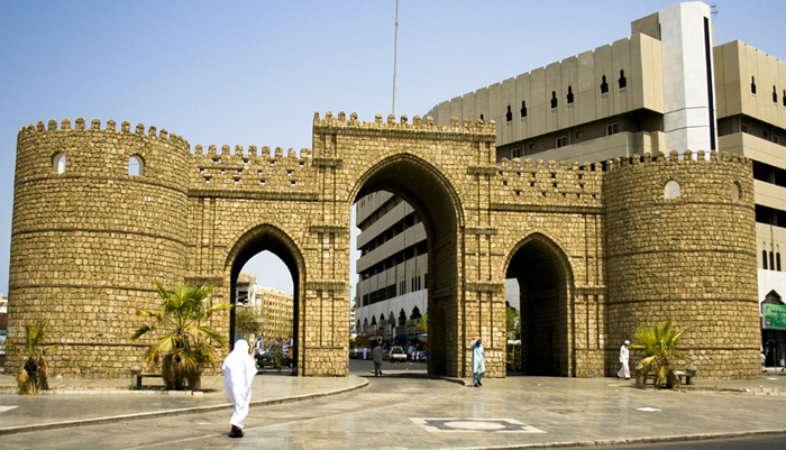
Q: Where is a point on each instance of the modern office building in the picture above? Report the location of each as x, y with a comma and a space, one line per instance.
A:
273, 308
664, 88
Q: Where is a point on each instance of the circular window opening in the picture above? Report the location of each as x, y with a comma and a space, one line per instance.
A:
736, 191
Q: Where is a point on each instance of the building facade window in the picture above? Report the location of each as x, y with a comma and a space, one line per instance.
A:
59, 163
523, 108
561, 141
772, 260
611, 129
623, 82
604, 86
570, 94
764, 259
553, 99
774, 95
778, 261
753, 85
509, 115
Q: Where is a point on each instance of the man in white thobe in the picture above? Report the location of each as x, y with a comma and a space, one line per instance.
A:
478, 362
624, 371
239, 370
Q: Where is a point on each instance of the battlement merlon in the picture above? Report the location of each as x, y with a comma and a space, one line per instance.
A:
111, 126
479, 130
674, 157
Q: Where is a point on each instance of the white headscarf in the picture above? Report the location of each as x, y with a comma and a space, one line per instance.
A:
239, 370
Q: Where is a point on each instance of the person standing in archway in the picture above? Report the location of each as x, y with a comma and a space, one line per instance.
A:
624, 371
478, 362
376, 355
239, 370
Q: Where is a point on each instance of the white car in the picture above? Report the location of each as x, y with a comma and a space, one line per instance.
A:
397, 354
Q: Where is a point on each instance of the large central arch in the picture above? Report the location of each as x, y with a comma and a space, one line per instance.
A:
436, 202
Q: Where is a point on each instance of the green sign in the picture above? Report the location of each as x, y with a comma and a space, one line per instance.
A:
774, 317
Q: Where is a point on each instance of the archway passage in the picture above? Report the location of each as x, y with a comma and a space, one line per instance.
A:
268, 238
541, 271
435, 203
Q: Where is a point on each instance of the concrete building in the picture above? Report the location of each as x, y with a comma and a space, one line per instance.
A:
665, 87
273, 308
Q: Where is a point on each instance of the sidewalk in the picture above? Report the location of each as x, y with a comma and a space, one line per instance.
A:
586, 411
110, 400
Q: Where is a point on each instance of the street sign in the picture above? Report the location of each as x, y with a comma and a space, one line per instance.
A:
774, 317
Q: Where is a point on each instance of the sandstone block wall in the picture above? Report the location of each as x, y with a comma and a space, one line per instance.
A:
596, 242
88, 243
690, 258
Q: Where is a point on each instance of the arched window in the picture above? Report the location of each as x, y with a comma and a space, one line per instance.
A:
509, 115
59, 163
570, 94
671, 190
402, 318
136, 166
553, 99
415, 314
623, 81
523, 108
604, 86
764, 259
753, 85
772, 260
778, 261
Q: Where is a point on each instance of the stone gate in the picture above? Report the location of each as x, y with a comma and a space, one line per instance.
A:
598, 249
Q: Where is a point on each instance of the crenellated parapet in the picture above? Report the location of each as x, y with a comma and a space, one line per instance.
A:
261, 170
539, 182
111, 125
456, 129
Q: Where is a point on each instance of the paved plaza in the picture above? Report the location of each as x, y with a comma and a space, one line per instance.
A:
404, 409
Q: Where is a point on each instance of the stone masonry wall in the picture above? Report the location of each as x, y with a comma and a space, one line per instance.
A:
690, 258
88, 243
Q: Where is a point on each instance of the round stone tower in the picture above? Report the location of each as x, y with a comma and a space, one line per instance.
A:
98, 215
680, 244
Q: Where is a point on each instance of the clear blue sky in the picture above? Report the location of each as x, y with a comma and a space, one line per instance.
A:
253, 73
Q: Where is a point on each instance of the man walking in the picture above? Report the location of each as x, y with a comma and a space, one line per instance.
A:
478, 362
376, 355
624, 371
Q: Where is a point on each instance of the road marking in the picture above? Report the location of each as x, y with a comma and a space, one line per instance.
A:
648, 409
6, 408
473, 425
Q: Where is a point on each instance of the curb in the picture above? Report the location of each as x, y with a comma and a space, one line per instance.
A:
173, 412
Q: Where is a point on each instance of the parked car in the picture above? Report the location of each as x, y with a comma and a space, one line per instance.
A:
397, 354
265, 358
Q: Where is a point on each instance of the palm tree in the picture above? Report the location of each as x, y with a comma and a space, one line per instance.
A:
34, 375
659, 344
186, 346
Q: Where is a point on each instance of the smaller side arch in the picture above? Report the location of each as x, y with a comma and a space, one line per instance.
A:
546, 285
268, 237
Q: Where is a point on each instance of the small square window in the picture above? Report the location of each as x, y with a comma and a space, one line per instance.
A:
611, 129
561, 141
